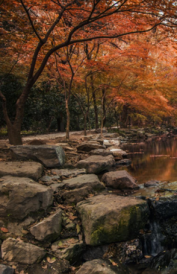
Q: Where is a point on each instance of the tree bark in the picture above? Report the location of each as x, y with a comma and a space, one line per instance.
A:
67, 119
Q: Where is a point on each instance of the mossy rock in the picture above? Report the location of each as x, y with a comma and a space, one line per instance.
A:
111, 218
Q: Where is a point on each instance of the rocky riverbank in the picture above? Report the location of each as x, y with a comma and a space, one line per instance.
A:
65, 208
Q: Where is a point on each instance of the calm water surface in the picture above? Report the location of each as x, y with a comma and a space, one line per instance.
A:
154, 160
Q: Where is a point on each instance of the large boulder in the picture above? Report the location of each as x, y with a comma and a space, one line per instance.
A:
119, 180
49, 156
96, 164
49, 228
18, 251
111, 218
31, 170
20, 196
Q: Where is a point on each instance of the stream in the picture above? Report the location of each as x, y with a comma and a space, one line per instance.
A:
154, 160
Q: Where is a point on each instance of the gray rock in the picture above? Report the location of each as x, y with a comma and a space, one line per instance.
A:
87, 147
90, 180
118, 153
16, 228
124, 162
96, 267
57, 187
102, 152
77, 195
49, 156
69, 172
49, 180
20, 252
111, 142
31, 170
5, 269
151, 183
111, 218
119, 180
96, 164
57, 267
49, 228
69, 249
20, 196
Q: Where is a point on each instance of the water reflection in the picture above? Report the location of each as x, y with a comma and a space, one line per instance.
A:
155, 160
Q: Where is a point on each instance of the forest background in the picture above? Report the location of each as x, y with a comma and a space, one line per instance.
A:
81, 64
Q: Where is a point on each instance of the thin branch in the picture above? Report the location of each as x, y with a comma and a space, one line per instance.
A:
31, 22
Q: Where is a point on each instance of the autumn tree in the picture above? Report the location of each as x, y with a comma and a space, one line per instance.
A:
32, 31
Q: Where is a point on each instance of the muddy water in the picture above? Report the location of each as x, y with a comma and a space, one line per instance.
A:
154, 160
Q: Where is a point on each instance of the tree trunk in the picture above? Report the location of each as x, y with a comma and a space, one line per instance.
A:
14, 135
104, 106
67, 119
85, 125
94, 103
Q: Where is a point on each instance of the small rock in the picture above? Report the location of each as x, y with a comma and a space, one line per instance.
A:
102, 152
48, 180
5, 269
151, 183
119, 180
49, 228
124, 162
95, 267
20, 252
112, 142
69, 249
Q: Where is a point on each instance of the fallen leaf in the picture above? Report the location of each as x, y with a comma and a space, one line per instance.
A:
51, 260
147, 256
73, 268
78, 229
5, 230
44, 266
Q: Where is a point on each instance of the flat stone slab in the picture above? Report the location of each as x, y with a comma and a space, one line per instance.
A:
87, 147
119, 180
96, 163
20, 196
20, 252
102, 152
49, 156
90, 180
111, 218
31, 170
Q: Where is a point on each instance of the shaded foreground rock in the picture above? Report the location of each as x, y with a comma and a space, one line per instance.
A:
111, 218
99, 267
31, 170
57, 267
119, 180
20, 252
49, 228
49, 156
20, 196
69, 249
4, 269
96, 164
